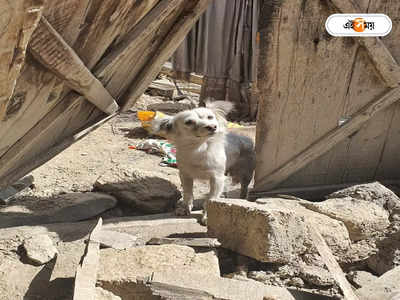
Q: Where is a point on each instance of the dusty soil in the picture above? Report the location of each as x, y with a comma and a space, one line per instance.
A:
77, 168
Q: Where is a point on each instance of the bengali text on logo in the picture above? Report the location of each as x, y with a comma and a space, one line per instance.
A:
358, 25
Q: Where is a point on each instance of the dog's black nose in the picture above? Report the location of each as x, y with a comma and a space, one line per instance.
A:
211, 128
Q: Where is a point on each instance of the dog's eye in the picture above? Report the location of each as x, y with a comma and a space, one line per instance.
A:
189, 122
210, 117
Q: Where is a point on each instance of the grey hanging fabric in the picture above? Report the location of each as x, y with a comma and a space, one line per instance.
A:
223, 48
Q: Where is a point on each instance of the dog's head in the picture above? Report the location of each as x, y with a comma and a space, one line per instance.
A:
198, 123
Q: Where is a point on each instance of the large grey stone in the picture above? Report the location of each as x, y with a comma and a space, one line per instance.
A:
265, 234
148, 192
333, 231
381, 288
363, 219
40, 249
361, 278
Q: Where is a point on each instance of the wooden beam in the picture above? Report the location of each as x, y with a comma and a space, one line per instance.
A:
167, 48
331, 263
18, 19
192, 242
326, 142
384, 62
50, 49
86, 274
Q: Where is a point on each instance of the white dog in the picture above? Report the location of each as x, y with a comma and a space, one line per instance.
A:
204, 150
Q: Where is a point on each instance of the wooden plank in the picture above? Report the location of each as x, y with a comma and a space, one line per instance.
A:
192, 242
327, 142
48, 47
37, 89
170, 292
169, 45
86, 274
331, 263
58, 123
18, 19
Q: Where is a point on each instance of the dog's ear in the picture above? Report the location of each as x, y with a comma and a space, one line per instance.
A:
162, 126
221, 107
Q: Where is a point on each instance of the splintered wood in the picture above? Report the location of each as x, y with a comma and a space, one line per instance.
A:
86, 274
332, 265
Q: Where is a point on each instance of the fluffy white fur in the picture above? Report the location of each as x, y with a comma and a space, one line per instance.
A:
204, 150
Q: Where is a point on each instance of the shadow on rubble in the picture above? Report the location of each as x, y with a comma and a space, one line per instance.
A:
42, 287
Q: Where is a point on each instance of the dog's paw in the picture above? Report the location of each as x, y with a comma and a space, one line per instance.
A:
203, 220
183, 209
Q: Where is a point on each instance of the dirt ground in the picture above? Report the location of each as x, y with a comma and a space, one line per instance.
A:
77, 168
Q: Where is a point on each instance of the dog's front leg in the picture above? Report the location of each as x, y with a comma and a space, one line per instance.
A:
185, 207
216, 188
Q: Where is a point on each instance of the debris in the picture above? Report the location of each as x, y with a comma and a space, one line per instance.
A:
333, 231
361, 278
75, 207
254, 230
171, 107
161, 87
143, 261
115, 239
147, 192
167, 150
86, 274
332, 264
9, 193
192, 242
105, 295
40, 249
370, 219
387, 256
382, 288
373, 192
316, 275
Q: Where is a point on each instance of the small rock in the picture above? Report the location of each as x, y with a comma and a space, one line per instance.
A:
371, 218
388, 255
40, 249
361, 278
381, 288
316, 276
295, 281
102, 294
145, 191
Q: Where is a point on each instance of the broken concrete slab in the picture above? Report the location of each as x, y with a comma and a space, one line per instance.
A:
373, 192
381, 288
225, 288
171, 107
71, 207
142, 261
361, 279
333, 231
116, 240
370, 219
143, 227
387, 256
145, 191
102, 294
252, 229
40, 249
